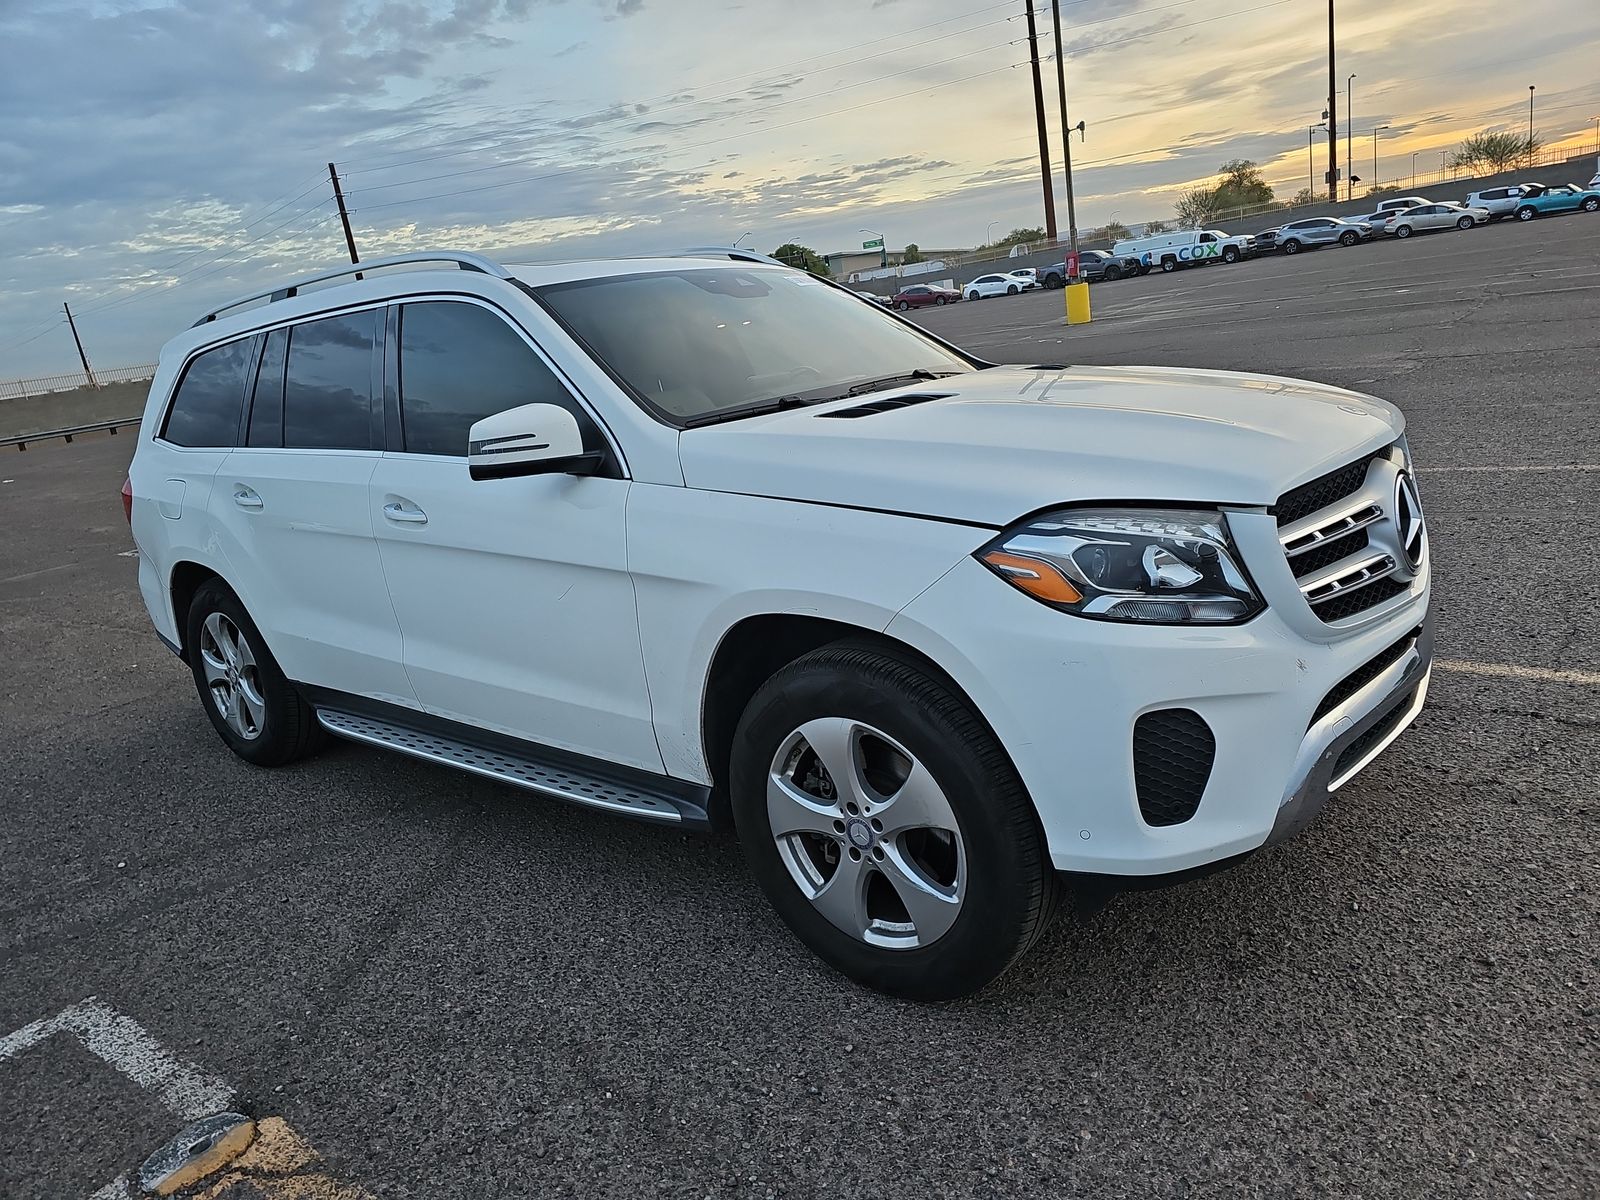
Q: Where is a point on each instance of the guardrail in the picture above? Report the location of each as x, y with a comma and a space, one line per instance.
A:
21, 440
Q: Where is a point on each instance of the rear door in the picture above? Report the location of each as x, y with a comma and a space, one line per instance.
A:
513, 595
292, 498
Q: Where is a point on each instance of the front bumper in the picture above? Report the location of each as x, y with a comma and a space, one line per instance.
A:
1064, 694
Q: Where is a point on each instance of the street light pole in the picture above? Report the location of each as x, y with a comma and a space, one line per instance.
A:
988, 234
1375, 131
1414, 154
1332, 116
883, 247
1530, 124
1311, 166
1066, 137
1349, 133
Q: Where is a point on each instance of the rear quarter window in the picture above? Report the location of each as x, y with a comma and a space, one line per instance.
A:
205, 409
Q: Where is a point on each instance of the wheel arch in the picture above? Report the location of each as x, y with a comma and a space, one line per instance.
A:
187, 578
757, 647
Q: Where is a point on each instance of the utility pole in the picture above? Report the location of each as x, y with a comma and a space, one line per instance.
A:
84, 358
1311, 166
1349, 138
1530, 124
1333, 115
1044, 137
1066, 135
344, 217
1376, 129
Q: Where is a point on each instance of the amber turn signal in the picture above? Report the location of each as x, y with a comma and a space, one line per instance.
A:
1034, 576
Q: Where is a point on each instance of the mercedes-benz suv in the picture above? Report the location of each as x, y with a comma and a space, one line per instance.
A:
712, 542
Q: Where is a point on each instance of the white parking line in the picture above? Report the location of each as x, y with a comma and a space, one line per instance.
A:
1507, 671
124, 1044
1508, 469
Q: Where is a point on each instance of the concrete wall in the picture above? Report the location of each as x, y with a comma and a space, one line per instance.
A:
84, 406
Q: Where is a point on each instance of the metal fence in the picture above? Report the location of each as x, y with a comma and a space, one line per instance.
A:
19, 389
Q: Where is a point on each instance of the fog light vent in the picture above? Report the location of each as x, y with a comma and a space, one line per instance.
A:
1173, 750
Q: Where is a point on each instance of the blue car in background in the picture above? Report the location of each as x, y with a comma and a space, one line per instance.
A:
1537, 200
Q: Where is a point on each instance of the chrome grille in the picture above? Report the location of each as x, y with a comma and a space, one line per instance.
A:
1338, 536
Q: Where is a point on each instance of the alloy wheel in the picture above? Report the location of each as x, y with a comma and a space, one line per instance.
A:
866, 833
232, 678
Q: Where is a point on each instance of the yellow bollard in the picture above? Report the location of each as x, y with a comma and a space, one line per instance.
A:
1077, 303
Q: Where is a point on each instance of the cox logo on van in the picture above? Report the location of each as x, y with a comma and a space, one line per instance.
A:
1203, 250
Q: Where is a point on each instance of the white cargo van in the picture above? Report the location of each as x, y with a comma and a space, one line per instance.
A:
1188, 247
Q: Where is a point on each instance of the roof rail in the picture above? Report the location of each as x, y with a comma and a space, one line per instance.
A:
733, 252
464, 259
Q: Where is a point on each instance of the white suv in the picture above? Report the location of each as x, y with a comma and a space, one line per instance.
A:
712, 542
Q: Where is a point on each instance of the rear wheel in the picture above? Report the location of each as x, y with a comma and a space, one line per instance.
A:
252, 706
1465, 223
1526, 214
886, 825
1291, 247
1169, 264
1402, 231
1349, 238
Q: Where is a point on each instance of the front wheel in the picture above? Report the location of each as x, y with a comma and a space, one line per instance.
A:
1113, 272
1465, 223
1291, 247
1525, 214
1012, 290
903, 306
1349, 238
887, 826
974, 295
1404, 231
939, 300
1592, 204
1230, 255
252, 706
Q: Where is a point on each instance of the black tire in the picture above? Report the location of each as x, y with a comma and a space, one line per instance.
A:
1291, 246
903, 305
1113, 272
1230, 254
290, 730
1465, 223
1592, 204
1010, 885
1402, 231
974, 295
1144, 269
939, 300
1527, 213
1349, 238
1169, 264
1011, 290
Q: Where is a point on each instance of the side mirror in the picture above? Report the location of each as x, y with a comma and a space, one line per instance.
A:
535, 439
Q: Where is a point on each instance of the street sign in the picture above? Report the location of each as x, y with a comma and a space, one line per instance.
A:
874, 244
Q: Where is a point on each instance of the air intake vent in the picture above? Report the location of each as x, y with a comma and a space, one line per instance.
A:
1173, 750
887, 404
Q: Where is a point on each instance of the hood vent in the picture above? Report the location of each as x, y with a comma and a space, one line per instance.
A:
888, 404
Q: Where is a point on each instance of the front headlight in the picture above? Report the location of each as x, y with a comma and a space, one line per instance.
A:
1151, 565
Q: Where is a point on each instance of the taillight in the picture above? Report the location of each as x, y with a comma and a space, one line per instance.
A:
127, 499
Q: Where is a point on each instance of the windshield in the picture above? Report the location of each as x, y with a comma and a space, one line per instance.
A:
696, 342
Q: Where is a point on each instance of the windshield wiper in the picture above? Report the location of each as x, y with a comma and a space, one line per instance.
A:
888, 381
758, 408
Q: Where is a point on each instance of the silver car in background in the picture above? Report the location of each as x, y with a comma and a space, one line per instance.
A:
1427, 217
1500, 201
1321, 231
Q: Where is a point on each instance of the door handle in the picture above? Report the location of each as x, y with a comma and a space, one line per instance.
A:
408, 514
247, 497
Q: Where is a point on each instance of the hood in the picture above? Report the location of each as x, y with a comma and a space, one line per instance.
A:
1002, 443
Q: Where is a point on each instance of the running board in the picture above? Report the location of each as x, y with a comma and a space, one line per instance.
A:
521, 768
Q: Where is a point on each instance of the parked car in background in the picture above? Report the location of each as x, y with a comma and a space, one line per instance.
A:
921, 295
1000, 283
1376, 220
1093, 267
1537, 200
1185, 248
1321, 231
873, 296
1402, 202
1030, 274
1500, 201
1426, 217
1265, 241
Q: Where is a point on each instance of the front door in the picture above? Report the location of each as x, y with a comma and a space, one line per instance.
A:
513, 595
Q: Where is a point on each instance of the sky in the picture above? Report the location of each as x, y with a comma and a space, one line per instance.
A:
159, 157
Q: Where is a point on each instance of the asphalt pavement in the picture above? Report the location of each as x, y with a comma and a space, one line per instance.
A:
450, 988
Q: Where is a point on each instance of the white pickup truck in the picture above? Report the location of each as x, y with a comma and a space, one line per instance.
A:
1185, 248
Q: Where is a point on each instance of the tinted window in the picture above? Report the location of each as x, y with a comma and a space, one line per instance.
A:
266, 407
460, 363
1207, 237
327, 394
205, 412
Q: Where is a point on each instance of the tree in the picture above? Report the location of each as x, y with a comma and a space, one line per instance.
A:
1116, 231
1491, 151
913, 254
1301, 198
1242, 186
1195, 207
1154, 227
803, 257
1015, 237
